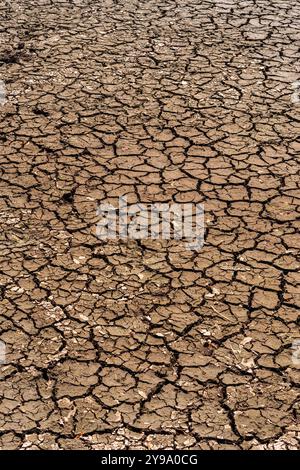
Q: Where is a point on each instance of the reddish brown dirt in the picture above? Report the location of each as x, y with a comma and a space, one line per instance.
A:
141, 344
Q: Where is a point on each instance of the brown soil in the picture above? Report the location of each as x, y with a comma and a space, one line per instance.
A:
141, 344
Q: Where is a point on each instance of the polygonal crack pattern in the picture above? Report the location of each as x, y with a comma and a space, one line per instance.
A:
142, 344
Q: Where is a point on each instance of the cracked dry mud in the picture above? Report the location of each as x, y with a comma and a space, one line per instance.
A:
142, 344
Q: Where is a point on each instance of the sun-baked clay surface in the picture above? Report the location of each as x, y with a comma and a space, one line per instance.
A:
141, 344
